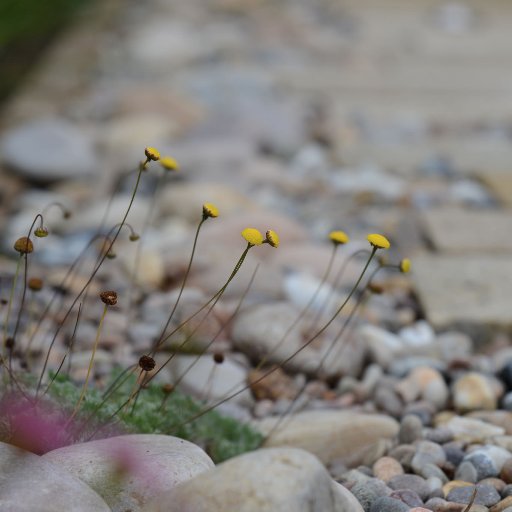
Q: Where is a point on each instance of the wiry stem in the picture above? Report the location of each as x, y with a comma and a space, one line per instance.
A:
84, 387
289, 358
183, 283
93, 274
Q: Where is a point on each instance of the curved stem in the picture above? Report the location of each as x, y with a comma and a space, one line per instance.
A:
9, 305
84, 387
169, 318
289, 358
92, 276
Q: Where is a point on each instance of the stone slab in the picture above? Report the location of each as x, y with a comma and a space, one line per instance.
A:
499, 184
469, 292
457, 230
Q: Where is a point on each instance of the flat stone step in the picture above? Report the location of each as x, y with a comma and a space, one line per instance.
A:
468, 292
459, 231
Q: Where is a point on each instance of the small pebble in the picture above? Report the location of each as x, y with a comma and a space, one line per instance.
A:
386, 468
410, 429
387, 504
412, 482
408, 497
485, 495
368, 492
467, 472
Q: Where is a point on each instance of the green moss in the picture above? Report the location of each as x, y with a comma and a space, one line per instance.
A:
222, 437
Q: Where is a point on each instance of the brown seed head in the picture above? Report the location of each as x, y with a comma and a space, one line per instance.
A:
24, 245
376, 288
218, 357
9, 343
168, 388
35, 284
109, 297
147, 363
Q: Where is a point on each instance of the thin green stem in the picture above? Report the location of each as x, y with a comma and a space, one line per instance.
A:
284, 337
92, 276
9, 305
289, 358
95, 346
189, 266
214, 299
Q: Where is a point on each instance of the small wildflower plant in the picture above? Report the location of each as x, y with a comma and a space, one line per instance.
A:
46, 408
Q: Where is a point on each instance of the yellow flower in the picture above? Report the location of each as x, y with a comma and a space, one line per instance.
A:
252, 236
152, 153
210, 210
378, 241
272, 238
405, 265
338, 237
168, 163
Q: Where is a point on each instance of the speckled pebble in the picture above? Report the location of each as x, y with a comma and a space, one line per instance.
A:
386, 504
408, 497
412, 482
369, 491
497, 483
485, 495
484, 465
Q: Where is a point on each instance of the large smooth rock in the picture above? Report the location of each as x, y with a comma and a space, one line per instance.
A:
128, 471
50, 149
29, 483
331, 435
268, 480
264, 331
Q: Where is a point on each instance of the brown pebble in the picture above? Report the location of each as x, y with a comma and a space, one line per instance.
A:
386, 468
277, 385
497, 483
453, 485
506, 471
502, 505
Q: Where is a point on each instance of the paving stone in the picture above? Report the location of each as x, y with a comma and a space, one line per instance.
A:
461, 231
499, 184
464, 290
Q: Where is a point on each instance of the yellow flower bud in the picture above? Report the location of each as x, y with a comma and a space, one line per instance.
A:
378, 241
210, 210
338, 237
272, 238
152, 153
168, 163
405, 265
252, 236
